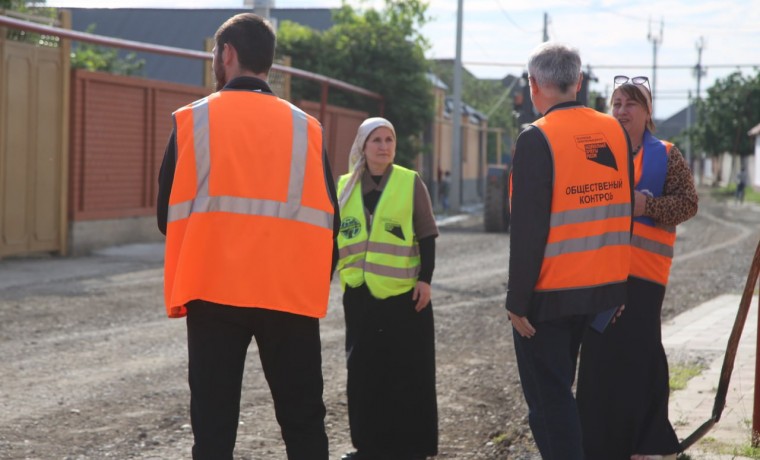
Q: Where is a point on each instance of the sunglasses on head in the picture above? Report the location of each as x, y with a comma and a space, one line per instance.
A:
640, 80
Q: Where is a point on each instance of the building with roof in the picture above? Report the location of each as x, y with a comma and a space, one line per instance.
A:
180, 28
754, 167
671, 127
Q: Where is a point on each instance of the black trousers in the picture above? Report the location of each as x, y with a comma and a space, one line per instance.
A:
546, 363
289, 347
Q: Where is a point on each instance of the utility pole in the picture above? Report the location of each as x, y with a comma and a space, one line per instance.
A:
546, 27
456, 117
656, 40
688, 129
699, 72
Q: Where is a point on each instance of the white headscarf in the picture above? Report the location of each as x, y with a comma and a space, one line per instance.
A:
356, 159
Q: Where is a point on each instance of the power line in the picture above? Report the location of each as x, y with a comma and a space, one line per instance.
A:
617, 66
700, 27
509, 18
477, 43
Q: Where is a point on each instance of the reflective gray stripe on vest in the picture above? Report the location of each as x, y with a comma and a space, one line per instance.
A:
577, 216
384, 270
391, 272
291, 210
588, 243
201, 145
652, 246
393, 250
355, 264
351, 249
379, 248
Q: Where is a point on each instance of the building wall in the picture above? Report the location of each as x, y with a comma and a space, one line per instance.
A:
754, 166
119, 130
339, 128
473, 157
120, 126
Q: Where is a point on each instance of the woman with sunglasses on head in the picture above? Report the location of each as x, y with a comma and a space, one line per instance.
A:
623, 374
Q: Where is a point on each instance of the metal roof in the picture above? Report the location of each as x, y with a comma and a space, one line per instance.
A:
671, 127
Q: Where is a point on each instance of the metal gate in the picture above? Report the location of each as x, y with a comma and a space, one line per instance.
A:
34, 93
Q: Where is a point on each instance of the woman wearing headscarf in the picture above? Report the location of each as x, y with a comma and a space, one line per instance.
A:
623, 374
387, 255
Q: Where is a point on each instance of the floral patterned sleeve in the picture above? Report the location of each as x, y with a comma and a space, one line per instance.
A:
679, 199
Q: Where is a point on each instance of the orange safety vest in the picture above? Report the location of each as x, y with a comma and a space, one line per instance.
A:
652, 243
589, 234
250, 218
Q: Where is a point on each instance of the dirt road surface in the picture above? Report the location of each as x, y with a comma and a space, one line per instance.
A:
90, 368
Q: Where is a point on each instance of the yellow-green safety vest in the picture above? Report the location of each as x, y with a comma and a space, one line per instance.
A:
387, 257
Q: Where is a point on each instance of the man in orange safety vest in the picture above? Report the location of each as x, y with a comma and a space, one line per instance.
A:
247, 203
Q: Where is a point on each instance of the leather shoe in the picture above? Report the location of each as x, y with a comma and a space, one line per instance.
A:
351, 456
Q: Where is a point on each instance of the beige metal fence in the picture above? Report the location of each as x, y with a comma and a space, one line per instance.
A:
34, 93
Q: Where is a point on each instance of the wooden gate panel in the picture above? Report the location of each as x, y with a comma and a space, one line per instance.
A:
15, 177
33, 99
46, 212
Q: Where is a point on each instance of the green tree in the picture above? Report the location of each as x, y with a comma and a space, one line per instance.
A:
19, 5
84, 55
732, 108
98, 58
382, 51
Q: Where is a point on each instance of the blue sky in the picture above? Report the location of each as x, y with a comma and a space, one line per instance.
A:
610, 34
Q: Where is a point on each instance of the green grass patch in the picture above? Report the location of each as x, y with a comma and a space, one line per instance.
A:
747, 451
709, 445
500, 438
681, 373
729, 193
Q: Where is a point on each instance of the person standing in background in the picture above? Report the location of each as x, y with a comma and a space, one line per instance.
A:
445, 189
741, 184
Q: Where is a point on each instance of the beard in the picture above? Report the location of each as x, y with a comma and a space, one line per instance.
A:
219, 75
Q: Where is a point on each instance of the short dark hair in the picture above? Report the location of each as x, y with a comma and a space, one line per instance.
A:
252, 37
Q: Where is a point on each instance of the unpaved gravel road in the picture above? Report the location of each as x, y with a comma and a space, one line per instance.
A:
91, 368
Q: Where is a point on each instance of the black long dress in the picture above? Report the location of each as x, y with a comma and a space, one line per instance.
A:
623, 382
390, 351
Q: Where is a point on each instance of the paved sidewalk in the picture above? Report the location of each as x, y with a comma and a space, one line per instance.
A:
703, 332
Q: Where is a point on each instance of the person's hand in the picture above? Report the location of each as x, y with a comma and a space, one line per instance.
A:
421, 294
639, 203
522, 325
